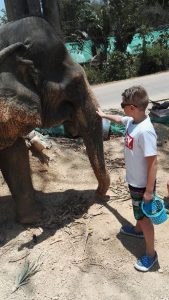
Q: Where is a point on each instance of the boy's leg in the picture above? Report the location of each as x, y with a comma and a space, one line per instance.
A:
136, 196
168, 188
143, 223
138, 227
148, 229
147, 261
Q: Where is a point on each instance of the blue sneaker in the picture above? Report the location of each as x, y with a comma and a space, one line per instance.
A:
130, 230
145, 263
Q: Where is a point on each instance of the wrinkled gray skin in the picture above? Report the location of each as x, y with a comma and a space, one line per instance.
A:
37, 71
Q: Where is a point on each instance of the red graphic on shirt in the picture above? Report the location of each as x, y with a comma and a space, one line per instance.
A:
129, 141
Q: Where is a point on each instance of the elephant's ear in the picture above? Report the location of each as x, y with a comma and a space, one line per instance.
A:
16, 119
20, 107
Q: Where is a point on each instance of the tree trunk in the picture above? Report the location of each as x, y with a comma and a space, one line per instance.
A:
51, 12
16, 9
34, 7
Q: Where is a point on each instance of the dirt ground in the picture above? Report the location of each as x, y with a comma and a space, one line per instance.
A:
79, 251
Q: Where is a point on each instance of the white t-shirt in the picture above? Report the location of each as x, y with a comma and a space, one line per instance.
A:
140, 142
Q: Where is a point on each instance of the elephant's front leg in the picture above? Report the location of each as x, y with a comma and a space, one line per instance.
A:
14, 164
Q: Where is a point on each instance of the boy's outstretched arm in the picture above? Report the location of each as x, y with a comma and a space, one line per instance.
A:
151, 177
114, 118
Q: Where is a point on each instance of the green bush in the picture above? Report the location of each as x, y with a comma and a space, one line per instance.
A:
94, 75
119, 66
154, 59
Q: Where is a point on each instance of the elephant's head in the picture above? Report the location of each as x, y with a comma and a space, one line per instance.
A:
40, 85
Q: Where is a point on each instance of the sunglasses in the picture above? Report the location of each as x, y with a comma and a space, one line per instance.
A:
123, 105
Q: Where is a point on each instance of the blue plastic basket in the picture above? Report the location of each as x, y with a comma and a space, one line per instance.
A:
155, 210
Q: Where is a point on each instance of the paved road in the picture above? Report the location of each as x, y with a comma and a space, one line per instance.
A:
109, 94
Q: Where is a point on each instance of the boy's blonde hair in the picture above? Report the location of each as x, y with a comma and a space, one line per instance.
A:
137, 96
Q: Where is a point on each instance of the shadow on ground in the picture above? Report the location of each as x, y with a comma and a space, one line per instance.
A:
59, 210
136, 246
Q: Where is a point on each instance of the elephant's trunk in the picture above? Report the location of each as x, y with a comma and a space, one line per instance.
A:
91, 130
4, 53
73, 100
50, 96
55, 108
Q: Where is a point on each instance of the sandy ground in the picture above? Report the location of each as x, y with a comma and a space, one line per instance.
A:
81, 253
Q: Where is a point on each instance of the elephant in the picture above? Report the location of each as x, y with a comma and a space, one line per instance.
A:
41, 86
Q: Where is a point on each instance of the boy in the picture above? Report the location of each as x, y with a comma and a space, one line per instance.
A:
141, 166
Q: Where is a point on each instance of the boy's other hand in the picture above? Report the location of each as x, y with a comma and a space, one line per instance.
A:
148, 196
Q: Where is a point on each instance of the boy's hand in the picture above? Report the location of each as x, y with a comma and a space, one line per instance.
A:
100, 113
114, 118
148, 196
